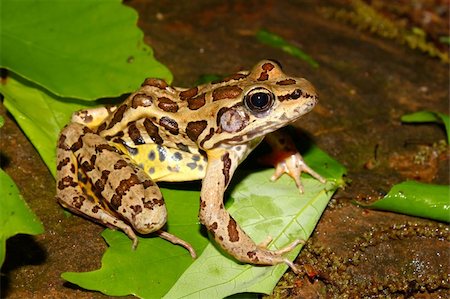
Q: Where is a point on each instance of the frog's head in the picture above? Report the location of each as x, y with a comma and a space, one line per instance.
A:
269, 100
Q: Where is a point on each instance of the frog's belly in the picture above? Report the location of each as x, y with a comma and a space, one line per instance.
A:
167, 164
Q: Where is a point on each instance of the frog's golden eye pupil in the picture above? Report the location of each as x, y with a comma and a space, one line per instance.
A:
259, 101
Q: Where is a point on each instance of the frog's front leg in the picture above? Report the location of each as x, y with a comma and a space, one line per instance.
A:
226, 232
122, 193
287, 159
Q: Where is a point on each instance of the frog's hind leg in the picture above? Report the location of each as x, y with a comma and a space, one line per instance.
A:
117, 202
118, 193
70, 194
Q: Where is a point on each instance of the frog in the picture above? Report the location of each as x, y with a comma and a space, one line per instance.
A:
110, 158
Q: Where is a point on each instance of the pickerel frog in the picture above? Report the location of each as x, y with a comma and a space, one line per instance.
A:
109, 158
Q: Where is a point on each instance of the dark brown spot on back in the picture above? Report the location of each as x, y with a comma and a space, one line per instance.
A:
195, 128
187, 94
158, 83
226, 92
135, 134
152, 131
169, 124
196, 102
167, 105
118, 116
106, 147
141, 100
101, 127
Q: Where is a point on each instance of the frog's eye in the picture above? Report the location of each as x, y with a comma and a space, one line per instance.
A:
259, 100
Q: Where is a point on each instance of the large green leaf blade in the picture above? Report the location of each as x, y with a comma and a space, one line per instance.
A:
40, 114
262, 207
15, 216
155, 265
80, 49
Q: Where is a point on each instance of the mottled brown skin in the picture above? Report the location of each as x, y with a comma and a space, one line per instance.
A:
110, 158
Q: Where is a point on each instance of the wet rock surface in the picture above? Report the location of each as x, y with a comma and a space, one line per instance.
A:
365, 85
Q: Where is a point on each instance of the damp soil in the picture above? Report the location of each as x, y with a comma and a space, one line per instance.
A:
366, 83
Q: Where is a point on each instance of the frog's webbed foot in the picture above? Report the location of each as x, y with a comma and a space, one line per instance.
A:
294, 166
175, 240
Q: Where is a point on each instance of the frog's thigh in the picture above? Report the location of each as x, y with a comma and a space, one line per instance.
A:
70, 195
125, 189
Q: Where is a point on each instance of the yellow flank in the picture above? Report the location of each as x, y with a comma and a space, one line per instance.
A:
167, 164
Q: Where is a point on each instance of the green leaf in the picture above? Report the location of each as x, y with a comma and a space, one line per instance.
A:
428, 116
80, 49
262, 208
40, 114
155, 265
277, 41
15, 216
417, 199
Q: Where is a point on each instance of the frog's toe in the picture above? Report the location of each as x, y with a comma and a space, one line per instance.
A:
175, 240
292, 266
288, 248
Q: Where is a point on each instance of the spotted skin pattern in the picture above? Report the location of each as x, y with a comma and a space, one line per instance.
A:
109, 158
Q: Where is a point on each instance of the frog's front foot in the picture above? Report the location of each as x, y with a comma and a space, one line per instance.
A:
294, 165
